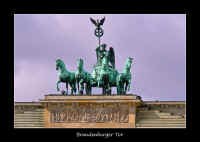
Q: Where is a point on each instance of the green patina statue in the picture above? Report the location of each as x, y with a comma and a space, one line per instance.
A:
83, 78
124, 78
98, 32
101, 52
65, 76
104, 75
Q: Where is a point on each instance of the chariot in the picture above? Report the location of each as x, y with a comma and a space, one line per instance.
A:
104, 75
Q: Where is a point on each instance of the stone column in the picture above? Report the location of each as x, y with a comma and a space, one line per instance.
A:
46, 116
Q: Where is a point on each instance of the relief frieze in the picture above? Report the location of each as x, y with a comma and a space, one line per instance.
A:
90, 114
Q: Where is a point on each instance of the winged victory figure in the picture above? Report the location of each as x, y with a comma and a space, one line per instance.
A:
111, 56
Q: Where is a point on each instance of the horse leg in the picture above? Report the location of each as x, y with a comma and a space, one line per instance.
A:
82, 87
90, 90
74, 87
103, 90
59, 81
120, 84
117, 86
72, 81
78, 84
87, 89
126, 87
71, 88
66, 88
109, 90
108, 85
117, 89
123, 89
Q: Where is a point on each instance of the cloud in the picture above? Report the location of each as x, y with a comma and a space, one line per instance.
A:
32, 81
156, 42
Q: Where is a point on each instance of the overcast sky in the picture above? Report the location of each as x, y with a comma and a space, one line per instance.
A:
156, 42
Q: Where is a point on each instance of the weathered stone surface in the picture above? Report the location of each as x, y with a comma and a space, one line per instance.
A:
90, 111
161, 125
28, 115
161, 115
99, 112
61, 98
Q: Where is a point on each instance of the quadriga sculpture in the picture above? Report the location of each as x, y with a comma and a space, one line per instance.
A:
104, 75
124, 78
83, 78
65, 77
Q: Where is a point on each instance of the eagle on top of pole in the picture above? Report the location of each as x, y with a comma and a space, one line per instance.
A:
98, 31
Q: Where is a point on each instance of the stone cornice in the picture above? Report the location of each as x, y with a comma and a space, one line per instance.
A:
163, 102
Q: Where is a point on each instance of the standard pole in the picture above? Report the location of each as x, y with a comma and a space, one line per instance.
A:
99, 42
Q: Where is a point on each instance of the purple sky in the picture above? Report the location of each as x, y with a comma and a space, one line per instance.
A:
157, 42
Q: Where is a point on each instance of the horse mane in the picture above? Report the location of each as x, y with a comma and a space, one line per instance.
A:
61, 62
128, 61
80, 63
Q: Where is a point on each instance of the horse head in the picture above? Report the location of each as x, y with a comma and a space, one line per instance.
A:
80, 64
59, 63
128, 63
130, 59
